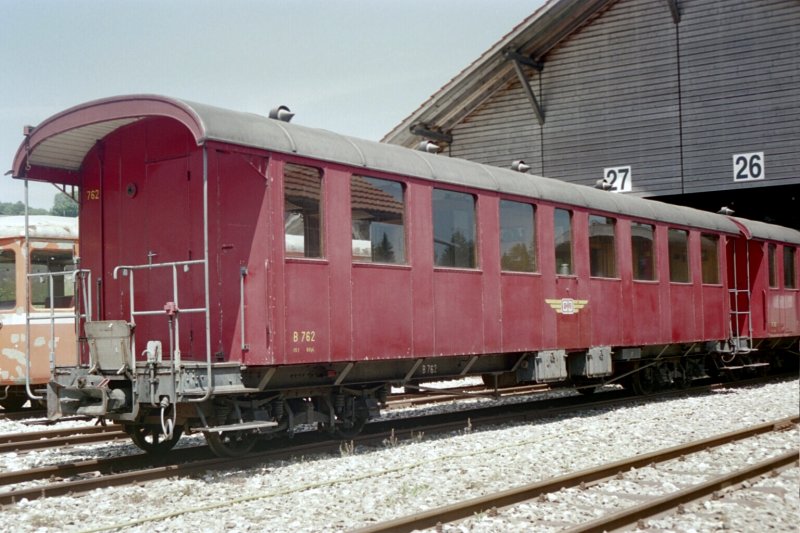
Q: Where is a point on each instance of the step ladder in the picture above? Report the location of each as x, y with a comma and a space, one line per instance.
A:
740, 320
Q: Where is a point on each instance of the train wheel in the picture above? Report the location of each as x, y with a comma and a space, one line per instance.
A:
682, 379
350, 428
231, 443
645, 381
152, 440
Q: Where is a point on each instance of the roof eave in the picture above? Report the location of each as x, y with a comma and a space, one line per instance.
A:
93, 113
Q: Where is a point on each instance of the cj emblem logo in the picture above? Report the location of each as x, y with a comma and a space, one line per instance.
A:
567, 306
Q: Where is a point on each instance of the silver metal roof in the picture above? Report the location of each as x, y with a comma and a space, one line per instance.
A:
39, 227
63, 140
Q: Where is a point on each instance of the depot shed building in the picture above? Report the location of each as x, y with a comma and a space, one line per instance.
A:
694, 102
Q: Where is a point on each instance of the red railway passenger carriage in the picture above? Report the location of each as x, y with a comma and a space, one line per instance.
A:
252, 275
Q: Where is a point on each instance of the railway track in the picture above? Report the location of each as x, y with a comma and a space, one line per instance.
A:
27, 441
97, 473
54, 438
585, 479
23, 414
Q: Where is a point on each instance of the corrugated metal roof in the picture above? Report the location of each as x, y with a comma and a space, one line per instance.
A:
257, 131
67, 150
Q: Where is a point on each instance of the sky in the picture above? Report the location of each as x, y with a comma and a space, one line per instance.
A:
357, 67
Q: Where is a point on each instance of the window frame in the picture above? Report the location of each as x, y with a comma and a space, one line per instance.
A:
404, 197
571, 250
772, 266
793, 264
653, 252
688, 261
615, 253
295, 256
61, 281
475, 225
532, 250
716, 239
13, 278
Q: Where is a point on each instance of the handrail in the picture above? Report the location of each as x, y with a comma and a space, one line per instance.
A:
129, 270
78, 290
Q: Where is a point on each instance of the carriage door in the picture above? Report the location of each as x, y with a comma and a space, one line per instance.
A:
739, 291
173, 231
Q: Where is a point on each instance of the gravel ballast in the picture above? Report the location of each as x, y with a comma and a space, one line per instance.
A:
368, 485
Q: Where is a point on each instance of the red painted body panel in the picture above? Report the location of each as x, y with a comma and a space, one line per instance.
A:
457, 301
382, 312
523, 311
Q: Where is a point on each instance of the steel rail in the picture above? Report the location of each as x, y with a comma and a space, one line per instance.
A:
673, 500
22, 414
103, 465
59, 437
467, 508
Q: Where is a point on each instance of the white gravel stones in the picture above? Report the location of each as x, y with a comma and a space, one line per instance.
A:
337, 493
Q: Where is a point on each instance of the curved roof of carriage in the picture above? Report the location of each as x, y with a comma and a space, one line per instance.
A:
55, 150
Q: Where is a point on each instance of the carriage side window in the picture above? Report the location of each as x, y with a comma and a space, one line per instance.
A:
562, 226
789, 277
453, 229
773, 265
8, 280
709, 254
602, 247
644, 251
46, 261
377, 208
302, 212
678, 256
517, 237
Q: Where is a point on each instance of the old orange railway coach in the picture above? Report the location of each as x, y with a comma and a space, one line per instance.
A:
27, 304
252, 275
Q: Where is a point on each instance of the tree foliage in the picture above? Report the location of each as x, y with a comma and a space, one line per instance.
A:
63, 206
18, 208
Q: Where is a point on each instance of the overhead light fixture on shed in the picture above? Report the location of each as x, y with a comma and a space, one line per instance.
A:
281, 113
520, 166
427, 146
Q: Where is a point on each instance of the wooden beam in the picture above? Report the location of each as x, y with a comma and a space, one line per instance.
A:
673, 8
523, 79
525, 60
423, 131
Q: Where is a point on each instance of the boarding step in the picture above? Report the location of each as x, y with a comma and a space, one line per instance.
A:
224, 389
238, 427
754, 365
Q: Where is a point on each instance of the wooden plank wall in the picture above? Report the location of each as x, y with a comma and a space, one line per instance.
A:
740, 87
674, 102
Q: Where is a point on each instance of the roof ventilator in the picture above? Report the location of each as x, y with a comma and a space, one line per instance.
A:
520, 166
281, 113
428, 146
603, 185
